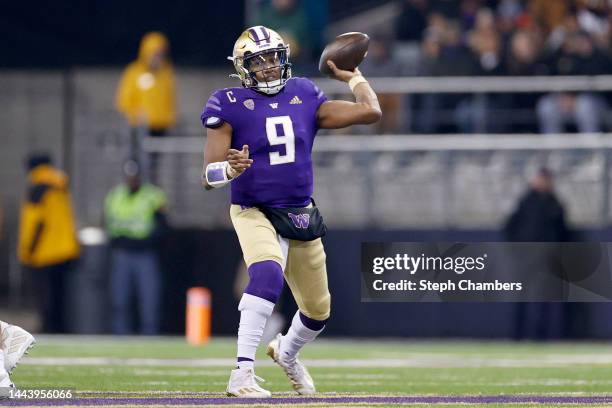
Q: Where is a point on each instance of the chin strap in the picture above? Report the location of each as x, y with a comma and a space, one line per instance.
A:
273, 89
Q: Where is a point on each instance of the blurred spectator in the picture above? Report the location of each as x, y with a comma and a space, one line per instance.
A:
48, 244
146, 95
539, 216
473, 114
134, 215
547, 14
593, 18
443, 54
509, 16
523, 55
556, 110
577, 56
412, 20
523, 59
290, 20
485, 43
381, 62
468, 11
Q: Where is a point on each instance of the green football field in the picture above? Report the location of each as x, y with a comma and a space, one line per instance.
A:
133, 371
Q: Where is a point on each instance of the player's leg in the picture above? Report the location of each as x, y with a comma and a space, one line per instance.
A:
307, 277
264, 258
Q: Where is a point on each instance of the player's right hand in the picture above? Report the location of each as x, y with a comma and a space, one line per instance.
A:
341, 74
239, 159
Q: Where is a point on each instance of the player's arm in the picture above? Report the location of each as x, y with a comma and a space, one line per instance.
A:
338, 114
220, 160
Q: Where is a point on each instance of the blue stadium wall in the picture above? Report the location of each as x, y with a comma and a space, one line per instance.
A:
210, 258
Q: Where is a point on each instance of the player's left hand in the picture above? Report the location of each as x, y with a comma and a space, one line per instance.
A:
340, 74
239, 159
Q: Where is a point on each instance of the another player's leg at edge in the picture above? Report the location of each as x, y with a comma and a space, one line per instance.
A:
260, 58
15, 342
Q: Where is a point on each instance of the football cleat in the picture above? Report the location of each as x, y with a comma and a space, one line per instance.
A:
16, 342
296, 371
243, 383
5, 380
5, 383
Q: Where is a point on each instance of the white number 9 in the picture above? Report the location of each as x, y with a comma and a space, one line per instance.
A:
288, 139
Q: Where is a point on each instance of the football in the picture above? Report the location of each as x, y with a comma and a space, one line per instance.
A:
346, 51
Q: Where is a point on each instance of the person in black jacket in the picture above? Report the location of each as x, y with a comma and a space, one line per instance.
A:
539, 216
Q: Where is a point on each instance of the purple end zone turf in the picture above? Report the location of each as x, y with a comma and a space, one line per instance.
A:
534, 399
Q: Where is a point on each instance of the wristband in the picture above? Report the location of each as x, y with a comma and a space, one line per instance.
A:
216, 174
356, 80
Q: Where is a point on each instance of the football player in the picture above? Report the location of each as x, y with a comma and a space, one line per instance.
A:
14, 343
259, 140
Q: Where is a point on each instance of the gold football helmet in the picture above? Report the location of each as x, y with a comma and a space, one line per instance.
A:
259, 48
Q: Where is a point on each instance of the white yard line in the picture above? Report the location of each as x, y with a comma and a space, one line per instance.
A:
421, 361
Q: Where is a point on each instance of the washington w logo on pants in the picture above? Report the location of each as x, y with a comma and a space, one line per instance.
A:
300, 220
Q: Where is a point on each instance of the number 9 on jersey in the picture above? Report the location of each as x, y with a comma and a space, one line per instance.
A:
288, 139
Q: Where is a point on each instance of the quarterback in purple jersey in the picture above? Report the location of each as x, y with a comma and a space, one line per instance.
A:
259, 140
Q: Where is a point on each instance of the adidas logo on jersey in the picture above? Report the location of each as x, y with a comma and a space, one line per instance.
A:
274, 105
295, 101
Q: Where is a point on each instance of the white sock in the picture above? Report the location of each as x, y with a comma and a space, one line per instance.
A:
254, 312
297, 337
245, 364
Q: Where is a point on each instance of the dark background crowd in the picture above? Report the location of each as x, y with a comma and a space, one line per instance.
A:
499, 38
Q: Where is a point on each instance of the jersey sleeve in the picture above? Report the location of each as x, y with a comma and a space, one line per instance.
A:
318, 94
321, 97
215, 111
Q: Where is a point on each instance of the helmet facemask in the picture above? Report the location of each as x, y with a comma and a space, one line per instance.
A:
265, 63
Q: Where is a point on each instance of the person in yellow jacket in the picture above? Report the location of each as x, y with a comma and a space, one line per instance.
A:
47, 237
146, 94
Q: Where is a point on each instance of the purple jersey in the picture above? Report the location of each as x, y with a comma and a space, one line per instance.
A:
279, 130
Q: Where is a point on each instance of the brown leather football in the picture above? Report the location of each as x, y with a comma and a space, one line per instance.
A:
346, 51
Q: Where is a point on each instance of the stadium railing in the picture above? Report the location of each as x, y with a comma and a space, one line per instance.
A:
491, 84
428, 181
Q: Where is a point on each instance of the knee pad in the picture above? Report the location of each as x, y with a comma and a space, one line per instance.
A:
265, 280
